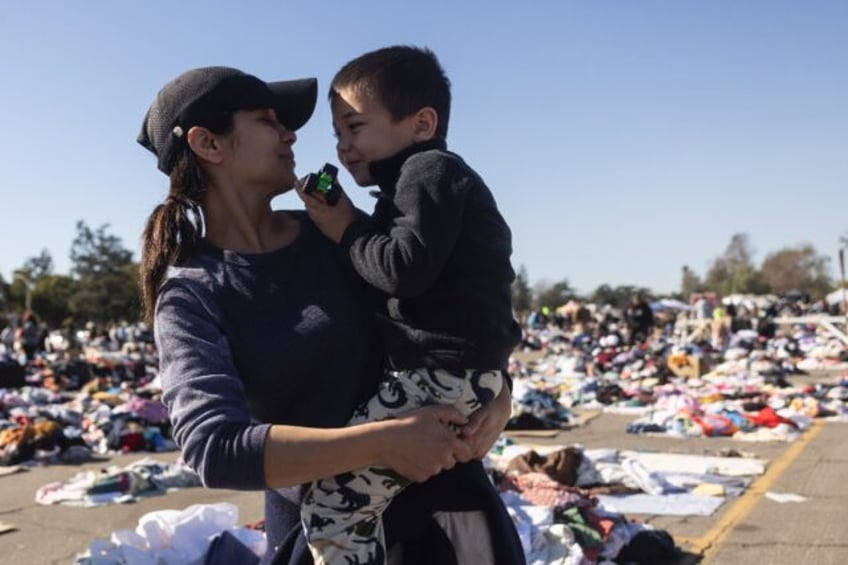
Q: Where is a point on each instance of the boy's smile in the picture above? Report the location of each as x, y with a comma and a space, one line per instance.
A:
367, 132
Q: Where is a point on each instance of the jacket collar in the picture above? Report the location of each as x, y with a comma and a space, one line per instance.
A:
386, 172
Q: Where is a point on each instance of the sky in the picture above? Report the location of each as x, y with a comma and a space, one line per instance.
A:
622, 140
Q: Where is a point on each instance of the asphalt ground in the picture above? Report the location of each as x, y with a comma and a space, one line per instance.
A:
746, 529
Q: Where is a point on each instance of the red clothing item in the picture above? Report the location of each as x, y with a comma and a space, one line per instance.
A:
768, 418
132, 442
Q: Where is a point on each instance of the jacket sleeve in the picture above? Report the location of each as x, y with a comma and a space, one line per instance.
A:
404, 259
204, 394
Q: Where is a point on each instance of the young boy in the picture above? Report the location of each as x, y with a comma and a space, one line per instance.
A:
437, 248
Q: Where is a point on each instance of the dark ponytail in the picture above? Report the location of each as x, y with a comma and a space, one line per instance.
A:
173, 230
177, 225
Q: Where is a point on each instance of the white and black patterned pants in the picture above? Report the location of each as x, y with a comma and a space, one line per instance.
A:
342, 515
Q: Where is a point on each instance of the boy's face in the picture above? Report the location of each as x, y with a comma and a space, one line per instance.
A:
367, 132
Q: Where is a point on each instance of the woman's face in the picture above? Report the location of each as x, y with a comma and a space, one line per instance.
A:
260, 151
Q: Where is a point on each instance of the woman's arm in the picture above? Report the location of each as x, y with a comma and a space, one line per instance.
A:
486, 424
417, 445
218, 438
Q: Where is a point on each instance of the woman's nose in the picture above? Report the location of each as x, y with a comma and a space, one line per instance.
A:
287, 135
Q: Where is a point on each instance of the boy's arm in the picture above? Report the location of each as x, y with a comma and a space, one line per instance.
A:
404, 259
486, 424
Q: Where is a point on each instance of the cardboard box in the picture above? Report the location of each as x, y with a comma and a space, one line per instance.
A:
686, 366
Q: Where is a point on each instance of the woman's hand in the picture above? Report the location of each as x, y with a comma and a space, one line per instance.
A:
423, 443
486, 424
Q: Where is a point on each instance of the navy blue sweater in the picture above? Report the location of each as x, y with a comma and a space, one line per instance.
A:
250, 340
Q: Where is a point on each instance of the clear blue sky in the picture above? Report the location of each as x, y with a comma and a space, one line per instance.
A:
622, 140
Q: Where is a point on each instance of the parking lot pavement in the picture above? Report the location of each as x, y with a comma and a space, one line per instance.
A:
750, 528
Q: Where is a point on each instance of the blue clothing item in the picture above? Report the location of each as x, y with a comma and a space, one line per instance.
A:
249, 340
226, 549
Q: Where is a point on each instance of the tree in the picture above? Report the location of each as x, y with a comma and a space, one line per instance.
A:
105, 276
522, 296
4, 296
797, 268
20, 291
690, 282
843, 250
51, 299
26, 278
734, 271
553, 296
618, 296
38, 267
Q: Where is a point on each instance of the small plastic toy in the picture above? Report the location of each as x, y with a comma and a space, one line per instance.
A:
324, 182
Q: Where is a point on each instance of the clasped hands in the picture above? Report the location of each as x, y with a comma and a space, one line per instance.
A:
425, 441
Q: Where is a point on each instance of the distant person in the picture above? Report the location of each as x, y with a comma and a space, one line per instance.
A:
582, 319
640, 319
7, 338
719, 327
702, 309
437, 250
28, 336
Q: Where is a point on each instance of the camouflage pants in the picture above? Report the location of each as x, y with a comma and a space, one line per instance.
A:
342, 515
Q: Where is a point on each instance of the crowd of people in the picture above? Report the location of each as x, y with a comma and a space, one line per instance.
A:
598, 339
706, 320
96, 391
723, 371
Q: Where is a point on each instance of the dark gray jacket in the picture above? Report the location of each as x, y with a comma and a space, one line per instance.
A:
437, 246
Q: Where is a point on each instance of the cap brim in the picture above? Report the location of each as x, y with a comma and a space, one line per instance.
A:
295, 101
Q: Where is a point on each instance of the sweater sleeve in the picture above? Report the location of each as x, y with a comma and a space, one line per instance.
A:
204, 394
404, 259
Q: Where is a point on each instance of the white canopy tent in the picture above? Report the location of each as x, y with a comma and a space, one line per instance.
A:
838, 296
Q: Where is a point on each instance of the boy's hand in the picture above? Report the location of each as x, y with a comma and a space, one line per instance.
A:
422, 443
331, 220
486, 424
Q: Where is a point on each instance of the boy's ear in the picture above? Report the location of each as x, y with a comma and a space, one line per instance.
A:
424, 124
204, 144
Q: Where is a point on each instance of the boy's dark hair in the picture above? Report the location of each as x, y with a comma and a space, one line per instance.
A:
402, 78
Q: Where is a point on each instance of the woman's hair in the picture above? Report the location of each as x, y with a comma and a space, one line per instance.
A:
175, 227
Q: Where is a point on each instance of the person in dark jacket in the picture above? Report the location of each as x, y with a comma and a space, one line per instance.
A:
640, 319
437, 250
265, 341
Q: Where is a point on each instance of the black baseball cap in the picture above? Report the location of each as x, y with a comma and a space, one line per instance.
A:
197, 94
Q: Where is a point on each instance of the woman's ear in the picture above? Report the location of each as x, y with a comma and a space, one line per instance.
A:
205, 144
425, 122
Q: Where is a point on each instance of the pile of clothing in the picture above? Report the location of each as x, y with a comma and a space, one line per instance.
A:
114, 485
71, 409
570, 504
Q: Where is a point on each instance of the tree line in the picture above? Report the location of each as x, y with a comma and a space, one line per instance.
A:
102, 285
800, 269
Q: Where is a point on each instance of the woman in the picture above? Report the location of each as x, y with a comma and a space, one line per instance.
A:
266, 343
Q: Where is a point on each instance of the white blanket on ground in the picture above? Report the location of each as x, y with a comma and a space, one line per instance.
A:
678, 504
